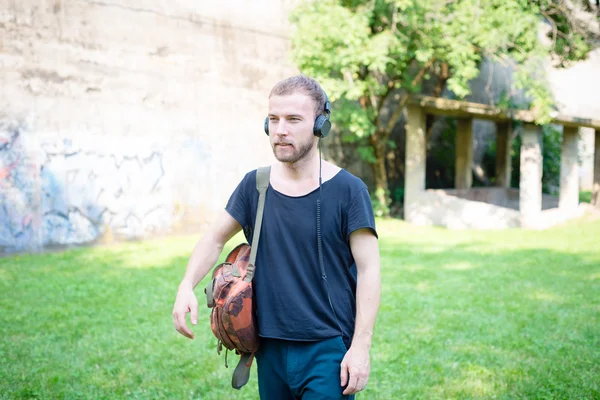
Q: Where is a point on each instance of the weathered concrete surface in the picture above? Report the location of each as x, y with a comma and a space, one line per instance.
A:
596, 185
530, 186
416, 152
501, 197
463, 176
125, 119
585, 151
577, 92
436, 207
487, 208
569, 170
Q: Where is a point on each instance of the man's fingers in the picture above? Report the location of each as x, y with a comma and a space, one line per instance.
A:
181, 326
360, 385
352, 385
343, 374
363, 383
185, 303
185, 331
194, 312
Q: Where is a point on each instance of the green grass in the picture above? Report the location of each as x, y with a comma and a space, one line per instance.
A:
585, 197
464, 315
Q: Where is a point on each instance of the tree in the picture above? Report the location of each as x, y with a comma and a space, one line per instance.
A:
370, 55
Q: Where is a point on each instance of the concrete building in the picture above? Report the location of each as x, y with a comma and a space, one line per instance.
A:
501, 206
122, 119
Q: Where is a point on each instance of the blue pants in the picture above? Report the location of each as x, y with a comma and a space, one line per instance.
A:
300, 370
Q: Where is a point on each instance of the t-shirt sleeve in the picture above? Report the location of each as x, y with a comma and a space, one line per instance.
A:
360, 213
237, 206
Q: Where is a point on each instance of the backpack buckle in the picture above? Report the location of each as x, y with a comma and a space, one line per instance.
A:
208, 290
249, 273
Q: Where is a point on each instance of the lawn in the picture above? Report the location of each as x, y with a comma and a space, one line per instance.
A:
585, 197
465, 315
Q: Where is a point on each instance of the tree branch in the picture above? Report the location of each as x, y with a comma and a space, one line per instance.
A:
400, 107
390, 88
421, 73
442, 79
396, 115
554, 29
398, 111
373, 100
380, 106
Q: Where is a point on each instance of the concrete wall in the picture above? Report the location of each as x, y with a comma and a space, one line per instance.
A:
497, 196
576, 91
586, 156
485, 208
438, 208
123, 119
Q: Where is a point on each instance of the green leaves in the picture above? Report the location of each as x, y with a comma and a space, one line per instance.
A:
363, 48
352, 119
368, 53
329, 43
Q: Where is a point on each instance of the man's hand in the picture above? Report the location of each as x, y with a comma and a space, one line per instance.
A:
356, 363
185, 302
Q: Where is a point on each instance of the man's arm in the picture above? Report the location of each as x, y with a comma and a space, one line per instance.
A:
206, 253
356, 363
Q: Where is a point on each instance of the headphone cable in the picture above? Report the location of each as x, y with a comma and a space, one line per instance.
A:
320, 245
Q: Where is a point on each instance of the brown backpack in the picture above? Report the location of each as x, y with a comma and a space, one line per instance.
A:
230, 295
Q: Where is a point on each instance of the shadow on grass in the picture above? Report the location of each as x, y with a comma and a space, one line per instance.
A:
454, 322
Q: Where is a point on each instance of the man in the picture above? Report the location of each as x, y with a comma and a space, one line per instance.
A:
315, 330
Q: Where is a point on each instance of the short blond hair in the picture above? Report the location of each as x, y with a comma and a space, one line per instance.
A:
305, 84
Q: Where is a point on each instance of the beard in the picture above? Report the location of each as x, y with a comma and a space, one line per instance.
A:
293, 154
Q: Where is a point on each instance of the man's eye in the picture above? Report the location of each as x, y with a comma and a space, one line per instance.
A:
272, 119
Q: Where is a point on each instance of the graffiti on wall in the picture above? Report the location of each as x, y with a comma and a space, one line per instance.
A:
87, 192
19, 190
60, 193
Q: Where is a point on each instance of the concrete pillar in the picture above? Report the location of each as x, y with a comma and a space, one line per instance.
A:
530, 186
596, 187
414, 179
585, 146
463, 176
503, 159
569, 171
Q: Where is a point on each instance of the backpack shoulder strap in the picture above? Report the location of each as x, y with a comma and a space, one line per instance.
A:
242, 370
262, 183
262, 178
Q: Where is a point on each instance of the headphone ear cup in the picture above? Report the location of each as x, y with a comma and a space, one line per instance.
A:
322, 126
267, 126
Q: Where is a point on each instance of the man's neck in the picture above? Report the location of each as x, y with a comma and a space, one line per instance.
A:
302, 170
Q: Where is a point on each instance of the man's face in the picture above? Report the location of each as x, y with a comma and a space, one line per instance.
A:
291, 121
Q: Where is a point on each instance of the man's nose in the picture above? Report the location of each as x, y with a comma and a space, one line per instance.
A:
281, 128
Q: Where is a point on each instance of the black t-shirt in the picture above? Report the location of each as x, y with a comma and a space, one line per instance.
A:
291, 297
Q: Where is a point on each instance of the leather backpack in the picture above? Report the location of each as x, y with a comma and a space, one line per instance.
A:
229, 293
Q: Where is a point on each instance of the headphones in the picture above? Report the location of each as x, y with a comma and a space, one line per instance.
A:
322, 123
